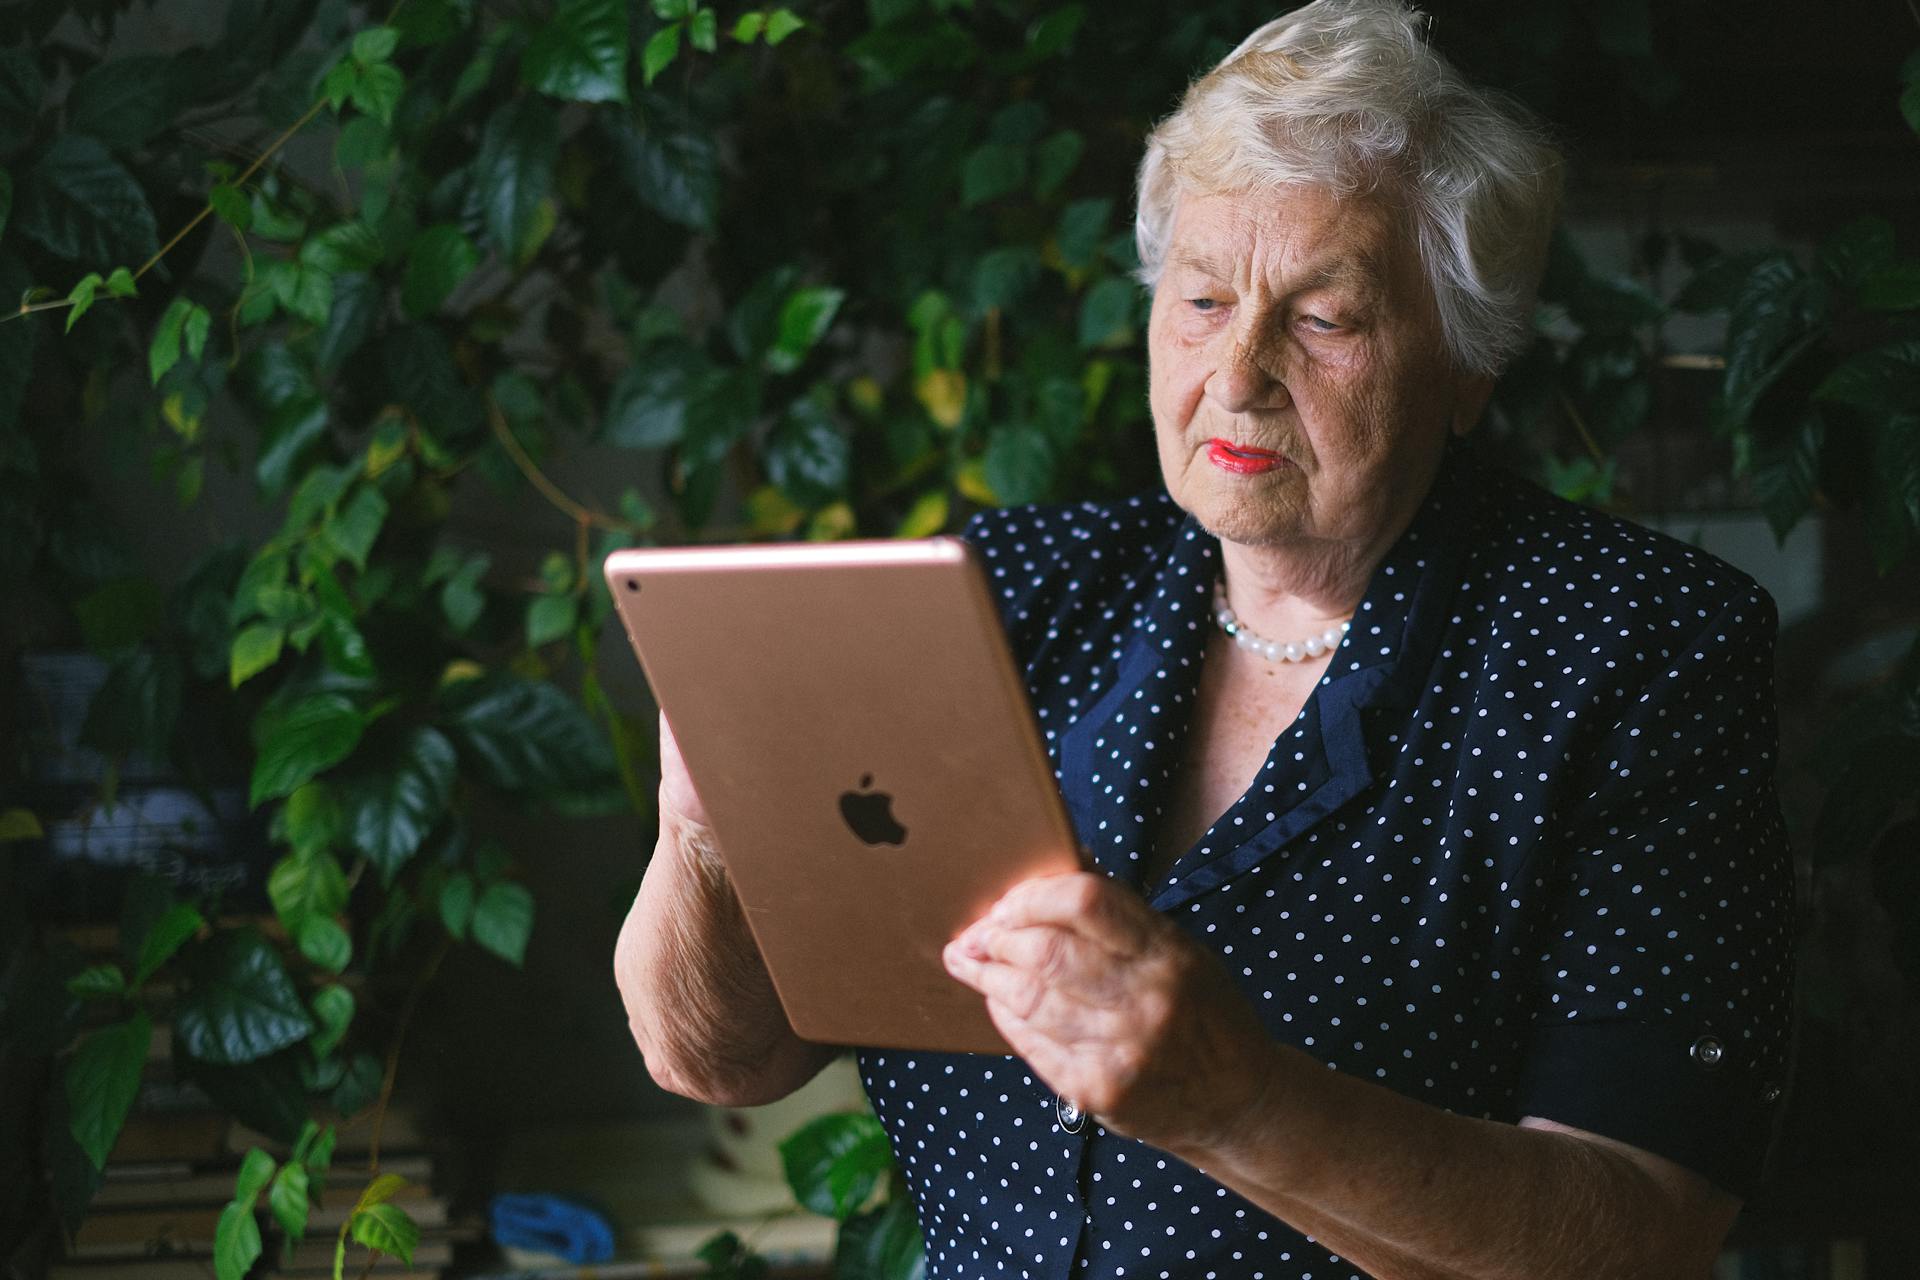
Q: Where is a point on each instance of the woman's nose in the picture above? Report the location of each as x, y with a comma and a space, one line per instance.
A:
1246, 378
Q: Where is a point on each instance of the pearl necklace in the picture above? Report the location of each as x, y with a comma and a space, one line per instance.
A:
1273, 650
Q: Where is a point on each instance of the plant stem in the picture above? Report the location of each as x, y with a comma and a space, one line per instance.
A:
198, 218
581, 514
393, 1051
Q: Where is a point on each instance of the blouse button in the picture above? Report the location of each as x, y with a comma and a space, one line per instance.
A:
1069, 1114
1708, 1051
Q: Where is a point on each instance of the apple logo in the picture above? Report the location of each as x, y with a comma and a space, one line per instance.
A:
869, 815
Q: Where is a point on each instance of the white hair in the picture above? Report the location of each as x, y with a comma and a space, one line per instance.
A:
1346, 95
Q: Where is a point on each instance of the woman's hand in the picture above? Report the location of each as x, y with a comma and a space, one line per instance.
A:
1119, 1011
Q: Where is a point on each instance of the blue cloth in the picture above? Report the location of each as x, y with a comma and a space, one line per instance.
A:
550, 1224
1520, 855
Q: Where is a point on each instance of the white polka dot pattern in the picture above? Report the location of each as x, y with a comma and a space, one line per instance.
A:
1520, 849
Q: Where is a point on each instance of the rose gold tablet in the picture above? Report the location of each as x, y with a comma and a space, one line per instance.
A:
852, 719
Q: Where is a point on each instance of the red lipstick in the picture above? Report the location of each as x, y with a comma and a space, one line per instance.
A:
1243, 459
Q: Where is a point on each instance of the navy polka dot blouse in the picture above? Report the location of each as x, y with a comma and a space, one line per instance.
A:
1519, 855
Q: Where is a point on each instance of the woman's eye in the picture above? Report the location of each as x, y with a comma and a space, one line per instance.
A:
1320, 326
1203, 304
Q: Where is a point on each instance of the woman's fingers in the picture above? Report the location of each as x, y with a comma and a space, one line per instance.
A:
676, 786
1089, 904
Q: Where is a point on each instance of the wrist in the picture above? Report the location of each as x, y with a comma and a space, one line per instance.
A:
1264, 1136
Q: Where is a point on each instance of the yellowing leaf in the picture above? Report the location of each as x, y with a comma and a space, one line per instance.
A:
19, 824
461, 669
943, 392
971, 481
388, 446
928, 516
379, 1191
184, 421
830, 524
866, 395
771, 511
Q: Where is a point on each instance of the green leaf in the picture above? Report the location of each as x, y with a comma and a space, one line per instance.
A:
580, 54
882, 1245
242, 1006
304, 291
254, 650
165, 938
833, 1163
375, 44
289, 1198
524, 735
703, 32
1882, 381
1001, 278
199, 321
456, 904
102, 1079
396, 805
1082, 225
360, 1085
232, 207
333, 1009
804, 320
120, 283
1107, 312
136, 708
299, 741
461, 599
551, 617
289, 433
662, 48
809, 456
303, 885
256, 1171
119, 612
439, 258
1894, 287
675, 173
236, 1242
502, 919
992, 171
782, 23
323, 942
377, 91
748, 28
311, 821
386, 1227
19, 824
513, 172
125, 102
1857, 251
79, 204
1019, 465
101, 981
353, 530
21, 91
346, 246
647, 408
80, 298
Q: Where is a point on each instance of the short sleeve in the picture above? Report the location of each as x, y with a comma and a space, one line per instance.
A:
1664, 989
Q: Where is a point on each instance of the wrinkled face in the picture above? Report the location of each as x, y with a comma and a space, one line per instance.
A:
1300, 388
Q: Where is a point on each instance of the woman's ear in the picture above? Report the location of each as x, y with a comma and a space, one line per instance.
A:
1471, 394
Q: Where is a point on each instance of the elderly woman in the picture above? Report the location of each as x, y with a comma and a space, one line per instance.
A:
1440, 920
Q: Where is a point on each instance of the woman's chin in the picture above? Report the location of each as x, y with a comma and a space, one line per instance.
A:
1253, 514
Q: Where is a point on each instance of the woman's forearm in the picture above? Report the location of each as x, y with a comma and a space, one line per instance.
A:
699, 1000
1407, 1191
